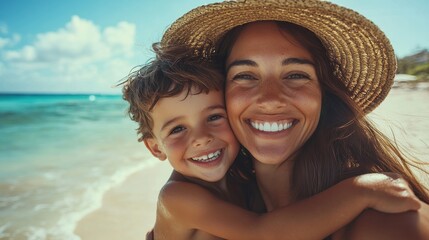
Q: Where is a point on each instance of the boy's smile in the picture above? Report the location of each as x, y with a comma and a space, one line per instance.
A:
193, 133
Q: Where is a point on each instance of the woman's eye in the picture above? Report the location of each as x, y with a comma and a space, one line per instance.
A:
297, 76
176, 130
243, 76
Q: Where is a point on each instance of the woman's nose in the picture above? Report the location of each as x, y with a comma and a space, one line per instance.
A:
271, 96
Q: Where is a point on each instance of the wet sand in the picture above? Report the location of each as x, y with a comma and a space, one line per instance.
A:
128, 210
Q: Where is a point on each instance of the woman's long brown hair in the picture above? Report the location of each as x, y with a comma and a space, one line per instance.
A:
345, 143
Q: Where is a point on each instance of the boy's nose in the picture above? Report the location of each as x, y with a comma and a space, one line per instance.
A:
202, 139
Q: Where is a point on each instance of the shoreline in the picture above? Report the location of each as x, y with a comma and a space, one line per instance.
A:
128, 209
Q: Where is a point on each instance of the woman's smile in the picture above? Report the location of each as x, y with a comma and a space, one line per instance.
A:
272, 92
271, 127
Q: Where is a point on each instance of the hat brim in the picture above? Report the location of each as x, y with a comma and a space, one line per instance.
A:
364, 58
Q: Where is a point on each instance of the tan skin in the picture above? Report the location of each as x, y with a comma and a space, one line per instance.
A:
271, 81
374, 225
195, 203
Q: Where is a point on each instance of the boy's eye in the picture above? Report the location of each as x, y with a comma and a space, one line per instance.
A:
177, 130
214, 117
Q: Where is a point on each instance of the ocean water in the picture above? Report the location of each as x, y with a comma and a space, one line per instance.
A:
58, 155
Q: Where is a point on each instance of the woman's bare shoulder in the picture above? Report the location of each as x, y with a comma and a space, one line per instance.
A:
372, 224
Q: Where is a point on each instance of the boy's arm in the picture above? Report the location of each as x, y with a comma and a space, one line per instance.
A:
323, 213
378, 226
337, 206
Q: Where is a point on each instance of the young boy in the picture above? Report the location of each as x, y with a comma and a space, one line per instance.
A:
211, 194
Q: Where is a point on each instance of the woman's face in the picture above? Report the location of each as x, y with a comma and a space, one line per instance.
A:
272, 92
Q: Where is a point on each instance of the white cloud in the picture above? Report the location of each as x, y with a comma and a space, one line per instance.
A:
3, 42
81, 55
9, 41
121, 38
80, 40
3, 28
26, 54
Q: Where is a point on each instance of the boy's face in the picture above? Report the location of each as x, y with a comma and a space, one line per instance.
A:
193, 133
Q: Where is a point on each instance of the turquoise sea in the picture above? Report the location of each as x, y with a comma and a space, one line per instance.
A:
58, 155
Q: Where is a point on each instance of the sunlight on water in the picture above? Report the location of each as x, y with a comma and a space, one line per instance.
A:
58, 155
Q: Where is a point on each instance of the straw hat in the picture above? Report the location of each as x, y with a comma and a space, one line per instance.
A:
366, 61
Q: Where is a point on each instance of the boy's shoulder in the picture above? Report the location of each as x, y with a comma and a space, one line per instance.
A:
177, 190
182, 204
176, 194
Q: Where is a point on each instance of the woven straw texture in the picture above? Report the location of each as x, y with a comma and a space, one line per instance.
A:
365, 57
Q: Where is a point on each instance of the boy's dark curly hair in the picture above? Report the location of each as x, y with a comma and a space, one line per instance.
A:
173, 70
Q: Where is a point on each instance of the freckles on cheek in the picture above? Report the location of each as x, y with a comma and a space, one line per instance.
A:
313, 106
173, 144
234, 105
311, 100
226, 132
235, 93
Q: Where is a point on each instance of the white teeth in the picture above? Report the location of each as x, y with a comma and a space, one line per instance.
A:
267, 127
274, 127
207, 158
271, 127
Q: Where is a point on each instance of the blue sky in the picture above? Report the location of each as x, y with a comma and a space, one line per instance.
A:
87, 46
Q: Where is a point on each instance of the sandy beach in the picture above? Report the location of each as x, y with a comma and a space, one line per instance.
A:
128, 210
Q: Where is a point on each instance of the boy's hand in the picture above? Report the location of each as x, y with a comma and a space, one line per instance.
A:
387, 192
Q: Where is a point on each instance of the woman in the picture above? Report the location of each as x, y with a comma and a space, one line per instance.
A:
274, 98
300, 77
